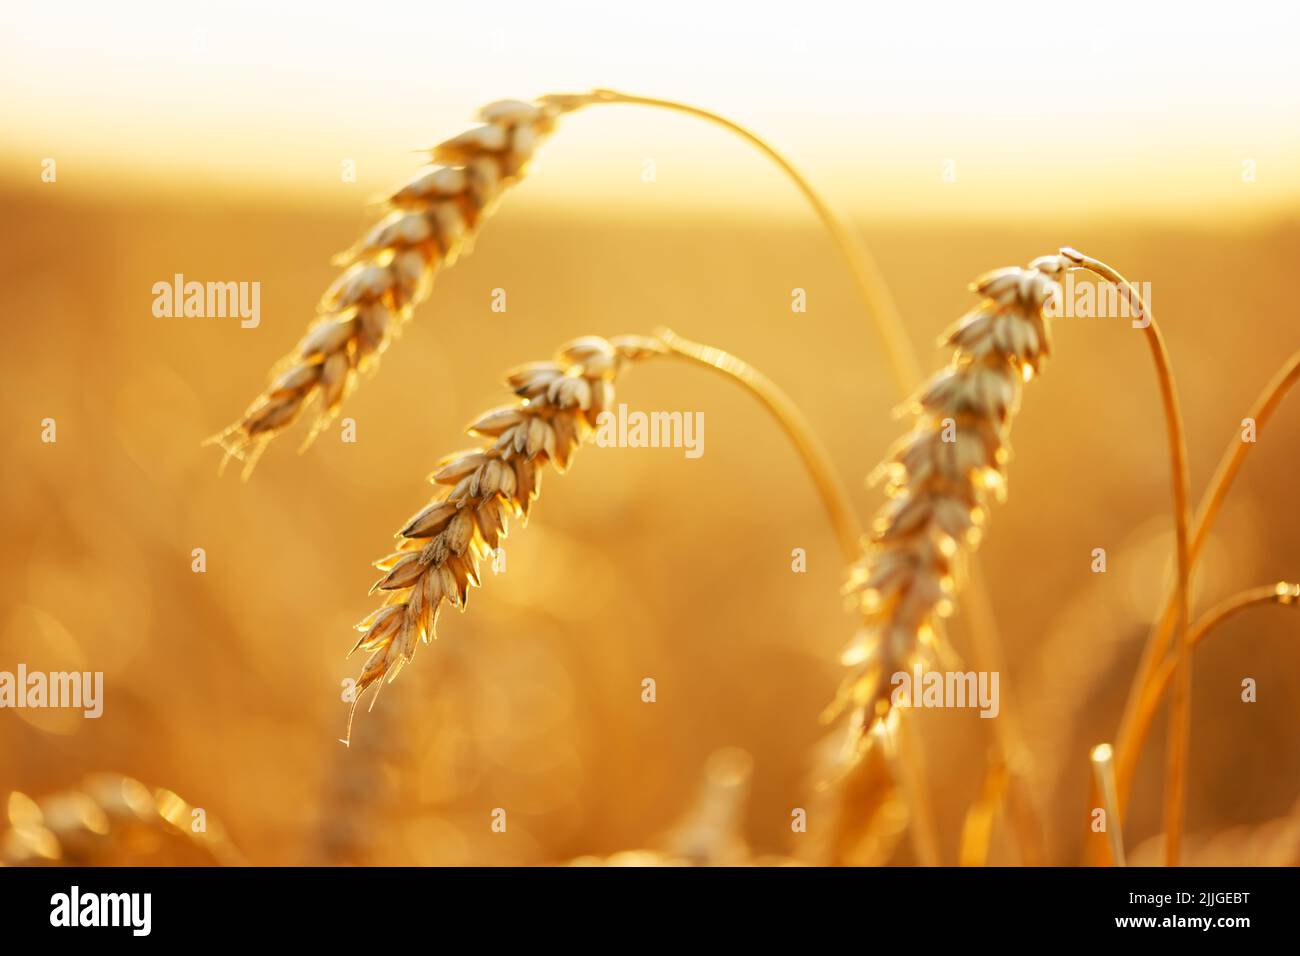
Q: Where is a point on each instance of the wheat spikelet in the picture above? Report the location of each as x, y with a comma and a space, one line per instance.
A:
390, 271
938, 481
440, 547
110, 820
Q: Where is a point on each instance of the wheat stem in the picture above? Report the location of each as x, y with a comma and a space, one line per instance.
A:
908, 761
906, 755
1010, 757
1103, 769
1283, 592
867, 279
830, 488
1131, 733
1180, 715
977, 827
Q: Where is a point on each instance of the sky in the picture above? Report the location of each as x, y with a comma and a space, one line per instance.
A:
905, 108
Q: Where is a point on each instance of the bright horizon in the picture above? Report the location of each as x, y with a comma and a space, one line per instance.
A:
1083, 114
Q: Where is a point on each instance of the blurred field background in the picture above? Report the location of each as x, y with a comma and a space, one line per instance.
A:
225, 686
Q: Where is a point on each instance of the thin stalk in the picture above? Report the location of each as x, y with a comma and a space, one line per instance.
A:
1131, 733
1103, 768
870, 284
831, 490
908, 759
1284, 593
1010, 756
977, 828
1180, 714
906, 756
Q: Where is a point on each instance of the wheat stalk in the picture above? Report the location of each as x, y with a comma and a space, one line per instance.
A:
1180, 717
1141, 702
939, 478
1284, 593
1102, 758
440, 547
109, 820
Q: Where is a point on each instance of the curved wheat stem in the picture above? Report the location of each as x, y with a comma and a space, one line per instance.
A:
1283, 592
867, 279
1180, 716
1131, 733
100, 823
835, 498
938, 479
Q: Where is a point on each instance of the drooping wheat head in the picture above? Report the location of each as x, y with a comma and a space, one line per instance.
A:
938, 480
430, 220
437, 558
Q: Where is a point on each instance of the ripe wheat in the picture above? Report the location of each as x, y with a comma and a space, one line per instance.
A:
110, 820
431, 220
440, 547
938, 481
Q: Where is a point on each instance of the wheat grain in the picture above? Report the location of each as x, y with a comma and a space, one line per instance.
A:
437, 560
938, 480
430, 221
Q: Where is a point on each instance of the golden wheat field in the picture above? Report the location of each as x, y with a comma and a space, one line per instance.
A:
642, 675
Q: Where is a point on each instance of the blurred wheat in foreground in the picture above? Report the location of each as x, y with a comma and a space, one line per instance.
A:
111, 820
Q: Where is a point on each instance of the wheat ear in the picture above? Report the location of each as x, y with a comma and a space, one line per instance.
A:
440, 547
938, 481
430, 221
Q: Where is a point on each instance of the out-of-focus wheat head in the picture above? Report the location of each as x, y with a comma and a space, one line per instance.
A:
431, 220
938, 480
440, 547
710, 831
111, 820
1272, 843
